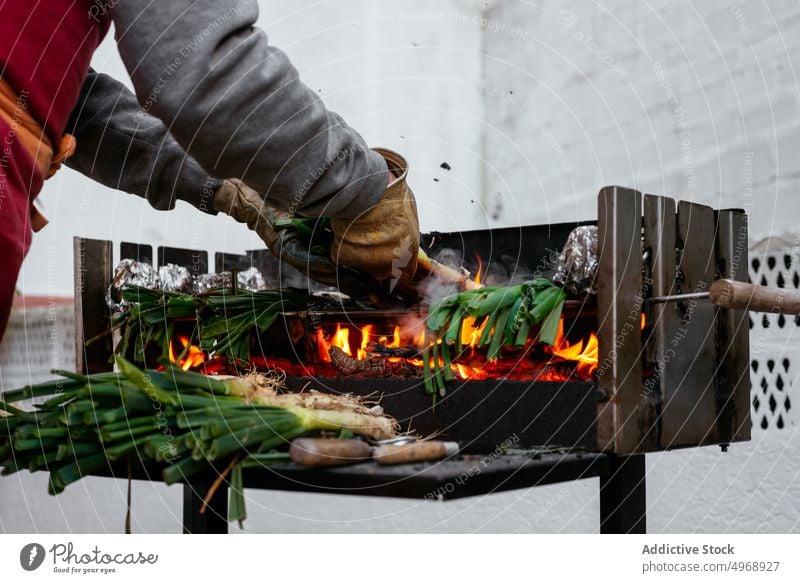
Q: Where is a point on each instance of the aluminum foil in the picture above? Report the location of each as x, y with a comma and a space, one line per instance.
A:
175, 278
171, 277
130, 272
250, 279
577, 264
210, 281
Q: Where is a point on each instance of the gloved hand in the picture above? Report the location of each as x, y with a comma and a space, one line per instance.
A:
383, 241
246, 206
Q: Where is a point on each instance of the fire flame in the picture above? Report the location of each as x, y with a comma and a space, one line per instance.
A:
469, 333
322, 346
395, 343
193, 358
341, 339
365, 333
585, 355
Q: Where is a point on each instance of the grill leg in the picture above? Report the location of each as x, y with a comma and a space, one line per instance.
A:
215, 519
623, 502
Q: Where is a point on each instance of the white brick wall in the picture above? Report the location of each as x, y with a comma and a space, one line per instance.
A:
730, 87
730, 65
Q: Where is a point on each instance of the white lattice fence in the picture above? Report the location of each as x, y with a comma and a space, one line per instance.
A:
774, 345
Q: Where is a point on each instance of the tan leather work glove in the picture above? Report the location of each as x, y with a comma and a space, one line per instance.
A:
246, 206
384, 240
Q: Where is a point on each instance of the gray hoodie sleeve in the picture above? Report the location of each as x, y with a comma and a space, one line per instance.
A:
122, 147
236, 105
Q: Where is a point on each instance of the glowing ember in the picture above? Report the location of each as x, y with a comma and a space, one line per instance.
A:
469, 373
192, 356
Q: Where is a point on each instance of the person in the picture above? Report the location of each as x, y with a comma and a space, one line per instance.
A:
218, 118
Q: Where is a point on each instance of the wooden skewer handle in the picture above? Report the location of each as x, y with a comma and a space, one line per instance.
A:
415, 451
738, 295
445, 273
322, 452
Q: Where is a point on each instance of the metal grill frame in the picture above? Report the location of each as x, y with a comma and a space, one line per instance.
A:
649, 246
697, 390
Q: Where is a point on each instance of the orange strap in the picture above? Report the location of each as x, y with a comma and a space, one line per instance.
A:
66, 148
30, 134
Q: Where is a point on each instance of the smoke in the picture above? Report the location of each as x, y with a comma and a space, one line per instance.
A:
433, 288
498, 269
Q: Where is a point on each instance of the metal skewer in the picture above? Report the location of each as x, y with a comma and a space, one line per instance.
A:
680, 298
738, 295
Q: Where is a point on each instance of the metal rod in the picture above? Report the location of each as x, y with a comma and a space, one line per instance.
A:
679, 298
623, 496
215, 519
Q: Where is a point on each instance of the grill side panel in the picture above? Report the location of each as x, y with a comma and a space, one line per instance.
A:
619, 308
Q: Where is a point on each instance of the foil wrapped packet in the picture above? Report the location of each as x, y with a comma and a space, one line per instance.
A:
130, 272
577, 263
250, 279
211, 281
175, 278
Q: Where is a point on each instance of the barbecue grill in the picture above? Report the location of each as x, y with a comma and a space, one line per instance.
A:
668, 374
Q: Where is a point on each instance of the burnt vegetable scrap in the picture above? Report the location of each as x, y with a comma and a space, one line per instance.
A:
181, 422
509, 317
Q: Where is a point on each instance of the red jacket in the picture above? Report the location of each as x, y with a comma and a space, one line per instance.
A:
45, 50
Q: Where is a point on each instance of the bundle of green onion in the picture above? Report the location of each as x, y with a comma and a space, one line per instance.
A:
315, 232
225, 321
184, 422
509, 316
